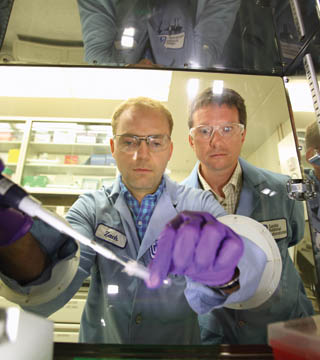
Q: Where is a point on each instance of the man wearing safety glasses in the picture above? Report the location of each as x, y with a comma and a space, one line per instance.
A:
217, 124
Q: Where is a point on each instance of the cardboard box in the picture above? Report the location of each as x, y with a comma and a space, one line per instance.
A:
71, 159
13, 156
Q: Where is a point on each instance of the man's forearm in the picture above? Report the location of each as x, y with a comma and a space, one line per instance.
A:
24, 260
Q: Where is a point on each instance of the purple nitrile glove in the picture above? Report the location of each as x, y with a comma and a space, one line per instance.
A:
13, 223
197, 245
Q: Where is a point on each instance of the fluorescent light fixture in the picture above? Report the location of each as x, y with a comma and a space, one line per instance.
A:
130, 31
192, 88
217, 86
84, 83
127, 39
112, 289
300, 95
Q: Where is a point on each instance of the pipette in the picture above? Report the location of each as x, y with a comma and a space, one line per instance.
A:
18, 198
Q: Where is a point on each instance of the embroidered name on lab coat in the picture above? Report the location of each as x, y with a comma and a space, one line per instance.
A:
278, 228
110, 235
153, 249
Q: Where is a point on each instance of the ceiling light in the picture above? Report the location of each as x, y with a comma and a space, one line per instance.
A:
112, 289
300, 95
192, 88
217, 86
84, 83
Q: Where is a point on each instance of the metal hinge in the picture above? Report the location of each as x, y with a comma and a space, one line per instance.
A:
301, 189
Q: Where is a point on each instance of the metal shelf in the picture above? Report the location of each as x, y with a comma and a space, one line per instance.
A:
7, 145
67, 169
71, 148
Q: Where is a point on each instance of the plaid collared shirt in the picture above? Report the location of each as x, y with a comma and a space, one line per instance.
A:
142, 213
231, 190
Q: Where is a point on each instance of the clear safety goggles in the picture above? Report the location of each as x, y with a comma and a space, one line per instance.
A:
131, 143
205, 132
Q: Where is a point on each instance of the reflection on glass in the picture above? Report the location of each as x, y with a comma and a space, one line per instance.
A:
268, 144
5, 9
229, 34
169, 33
244, 36
295, 32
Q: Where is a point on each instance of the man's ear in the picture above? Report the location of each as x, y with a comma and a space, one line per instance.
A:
244, 135
171, 149
112, 146
191, 142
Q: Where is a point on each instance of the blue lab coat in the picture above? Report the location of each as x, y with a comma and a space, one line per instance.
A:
172, 33
285, 220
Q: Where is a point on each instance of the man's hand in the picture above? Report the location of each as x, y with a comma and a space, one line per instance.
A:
197, 245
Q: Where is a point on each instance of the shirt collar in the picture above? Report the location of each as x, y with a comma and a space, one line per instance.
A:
235, 180
124, 190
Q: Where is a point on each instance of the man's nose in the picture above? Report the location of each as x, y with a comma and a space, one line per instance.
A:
215, 137
143, 149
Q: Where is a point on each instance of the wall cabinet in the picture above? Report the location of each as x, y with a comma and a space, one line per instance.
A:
57, 159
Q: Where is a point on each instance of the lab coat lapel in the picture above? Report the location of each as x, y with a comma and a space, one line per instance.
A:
252, 185
129, 227
249, 200
162, 214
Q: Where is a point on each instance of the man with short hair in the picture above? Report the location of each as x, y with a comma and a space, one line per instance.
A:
217, 124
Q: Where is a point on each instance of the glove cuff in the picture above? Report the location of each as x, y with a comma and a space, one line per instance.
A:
13, 225
230, 284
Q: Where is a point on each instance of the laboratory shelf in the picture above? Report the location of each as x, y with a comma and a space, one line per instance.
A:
55, 191
58, 169
70, 148
7, 145
11, 165
58, 158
